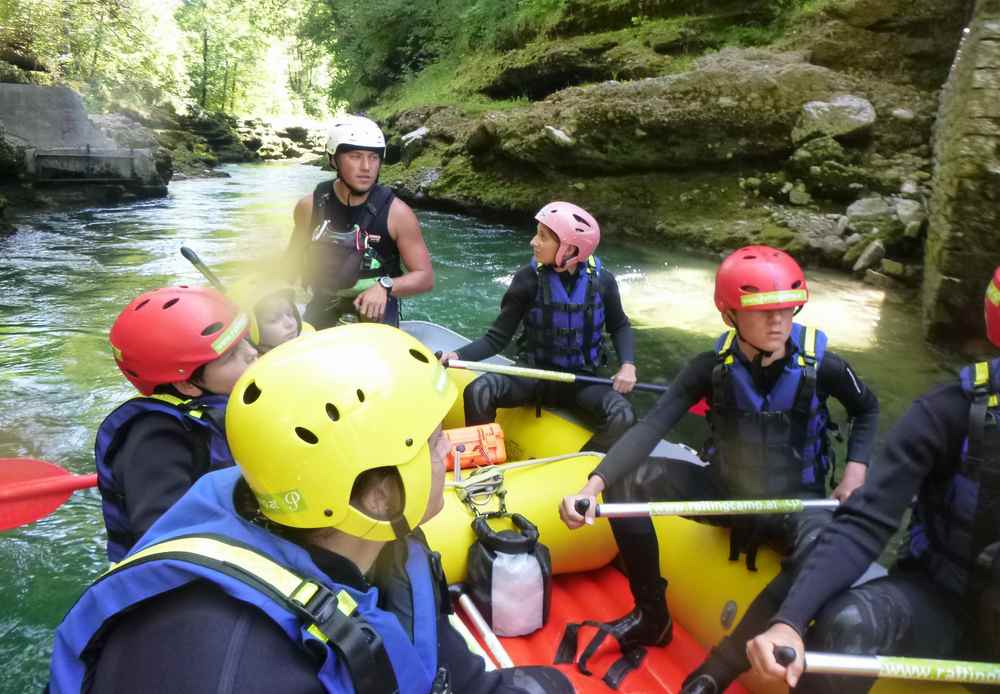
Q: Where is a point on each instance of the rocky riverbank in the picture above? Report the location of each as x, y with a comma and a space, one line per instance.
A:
818, 141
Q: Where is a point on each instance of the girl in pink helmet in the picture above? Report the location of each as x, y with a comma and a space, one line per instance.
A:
563, 301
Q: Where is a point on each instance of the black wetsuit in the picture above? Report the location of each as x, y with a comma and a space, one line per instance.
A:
607, 411
158, 461
199, 639
629, 477
907, 613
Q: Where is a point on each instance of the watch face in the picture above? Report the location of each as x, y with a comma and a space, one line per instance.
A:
385, 282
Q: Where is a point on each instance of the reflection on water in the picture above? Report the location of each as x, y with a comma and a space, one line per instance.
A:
65, 275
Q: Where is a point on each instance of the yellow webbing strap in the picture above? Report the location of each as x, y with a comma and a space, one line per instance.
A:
176, 402
983, 379
727, 345
808, 346
241, 561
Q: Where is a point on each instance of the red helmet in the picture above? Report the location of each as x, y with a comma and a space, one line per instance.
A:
759, 278
991, 307
166, 334
574, 227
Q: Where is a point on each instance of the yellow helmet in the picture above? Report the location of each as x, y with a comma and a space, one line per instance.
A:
314, 413
249, 292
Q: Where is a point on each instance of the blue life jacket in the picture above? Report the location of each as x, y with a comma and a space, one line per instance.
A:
773, 445
564, 329
203, 416
202, 538
953, 520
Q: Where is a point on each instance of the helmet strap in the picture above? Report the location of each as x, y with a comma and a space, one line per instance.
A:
761, 353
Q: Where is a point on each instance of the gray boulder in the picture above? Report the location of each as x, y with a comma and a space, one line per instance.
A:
870, 257
841, 117
871, 214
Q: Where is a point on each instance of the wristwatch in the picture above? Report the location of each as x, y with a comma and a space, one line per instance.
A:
386, 283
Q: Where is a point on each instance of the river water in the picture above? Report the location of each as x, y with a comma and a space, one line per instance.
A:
64, 276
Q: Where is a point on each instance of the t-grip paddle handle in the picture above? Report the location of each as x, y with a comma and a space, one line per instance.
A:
581, 506
193, 258
785, 655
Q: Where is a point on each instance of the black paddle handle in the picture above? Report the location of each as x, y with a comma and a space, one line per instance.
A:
648, 387
785, 655
193, 258
581, 506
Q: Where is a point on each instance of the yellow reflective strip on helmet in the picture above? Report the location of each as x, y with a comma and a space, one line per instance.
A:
993, 293
784, 296
982, 373
224, 341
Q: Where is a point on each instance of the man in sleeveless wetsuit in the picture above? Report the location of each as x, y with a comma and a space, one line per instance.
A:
353, 237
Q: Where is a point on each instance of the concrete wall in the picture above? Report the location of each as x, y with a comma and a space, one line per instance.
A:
963, 241
47, 117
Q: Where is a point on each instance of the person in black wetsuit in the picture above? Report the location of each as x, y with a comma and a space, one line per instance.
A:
353, 236
942, 597
183, 348
766, 382
302, 570
565, 299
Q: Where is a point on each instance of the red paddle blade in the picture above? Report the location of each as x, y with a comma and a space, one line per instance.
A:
32, 489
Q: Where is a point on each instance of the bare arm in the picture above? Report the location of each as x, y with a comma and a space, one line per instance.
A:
405, 231
291, 266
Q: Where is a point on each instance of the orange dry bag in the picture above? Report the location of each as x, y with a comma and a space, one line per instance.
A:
478, 445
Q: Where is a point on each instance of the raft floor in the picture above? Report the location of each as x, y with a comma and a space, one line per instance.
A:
603, 595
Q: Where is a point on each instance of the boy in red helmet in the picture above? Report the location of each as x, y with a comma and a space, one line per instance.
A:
767, 382
565, 300
942, 598
183, 348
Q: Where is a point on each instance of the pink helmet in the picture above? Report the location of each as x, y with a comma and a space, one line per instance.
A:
991, 308
574, 227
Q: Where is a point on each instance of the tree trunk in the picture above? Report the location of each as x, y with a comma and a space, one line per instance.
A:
225, 87
25, 61
204, 68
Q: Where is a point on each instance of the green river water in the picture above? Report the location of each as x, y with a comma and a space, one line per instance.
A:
64, 276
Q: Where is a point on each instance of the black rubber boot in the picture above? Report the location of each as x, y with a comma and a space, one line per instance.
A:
648, 624
711, 677
702, 684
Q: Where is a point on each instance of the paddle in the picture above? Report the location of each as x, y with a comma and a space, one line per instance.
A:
733, 507
489, 638
559, 376
202, 268
32, 489
892, 667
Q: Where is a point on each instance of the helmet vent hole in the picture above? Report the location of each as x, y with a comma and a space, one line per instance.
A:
796, 284
251, 393
582, 221
141, 304
749, 289
749, 257
306, 435
408, 442
132, 373
332, 412
419, 356
170, 303
361, 395
213, 328
328, 512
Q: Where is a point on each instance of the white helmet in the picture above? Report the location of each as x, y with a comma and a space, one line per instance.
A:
355, 132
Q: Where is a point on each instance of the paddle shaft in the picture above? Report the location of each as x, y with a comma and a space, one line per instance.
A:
892, 667
202, 268
489, 638
733, 507
545, 375
46, 486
